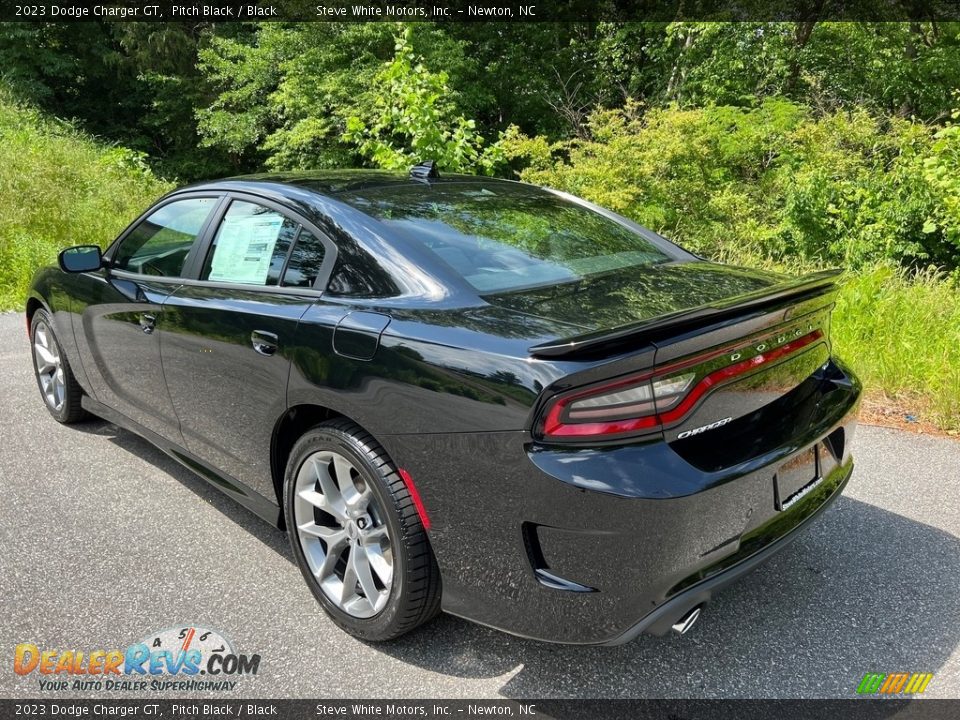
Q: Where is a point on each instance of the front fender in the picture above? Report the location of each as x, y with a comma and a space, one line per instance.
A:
51, 290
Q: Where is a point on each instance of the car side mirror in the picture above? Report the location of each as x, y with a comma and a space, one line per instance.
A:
80, 259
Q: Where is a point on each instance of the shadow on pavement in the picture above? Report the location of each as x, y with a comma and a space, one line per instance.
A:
145, 450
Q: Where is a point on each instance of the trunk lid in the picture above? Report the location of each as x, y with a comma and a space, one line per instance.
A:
604, 305
740, 339
646, 301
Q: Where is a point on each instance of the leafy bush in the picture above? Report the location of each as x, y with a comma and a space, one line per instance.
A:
59, 187
286, 92
942, 170
773, 183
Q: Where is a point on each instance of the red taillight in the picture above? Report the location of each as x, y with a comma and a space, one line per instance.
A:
621, 407
647, 402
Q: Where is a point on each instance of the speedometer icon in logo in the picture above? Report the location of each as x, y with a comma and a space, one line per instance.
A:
189, 650
180, 640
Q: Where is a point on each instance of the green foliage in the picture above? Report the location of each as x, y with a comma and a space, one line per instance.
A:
286, 92
165, 94
774, 183
723, 63
896, 68
905, 69
58, 188
941, 168
413, 119
238, 119
133, 83
216, 98
538, 76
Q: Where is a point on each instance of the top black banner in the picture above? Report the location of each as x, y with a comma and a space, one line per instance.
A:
481, 11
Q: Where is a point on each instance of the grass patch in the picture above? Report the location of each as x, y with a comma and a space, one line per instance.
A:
59, 187
902, 337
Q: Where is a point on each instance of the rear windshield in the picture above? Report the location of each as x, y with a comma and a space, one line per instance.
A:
508, 237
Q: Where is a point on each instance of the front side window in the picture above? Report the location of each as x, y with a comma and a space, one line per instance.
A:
251, 245
160, 244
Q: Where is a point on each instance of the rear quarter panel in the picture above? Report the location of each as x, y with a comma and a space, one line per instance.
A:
466, 375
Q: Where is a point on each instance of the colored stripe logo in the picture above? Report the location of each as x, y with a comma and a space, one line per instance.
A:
894, 683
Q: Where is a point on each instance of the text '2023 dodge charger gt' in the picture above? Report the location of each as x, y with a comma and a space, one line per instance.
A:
461, 393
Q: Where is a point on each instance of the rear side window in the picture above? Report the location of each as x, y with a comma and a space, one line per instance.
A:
159, 245
251, 245
305, 261
357, 274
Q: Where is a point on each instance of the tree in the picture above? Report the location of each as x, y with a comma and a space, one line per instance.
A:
286, 91
414, 119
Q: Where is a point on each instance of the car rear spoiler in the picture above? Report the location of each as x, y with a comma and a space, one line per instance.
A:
805, 287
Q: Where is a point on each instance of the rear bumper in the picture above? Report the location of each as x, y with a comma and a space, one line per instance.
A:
662, 619
597, 545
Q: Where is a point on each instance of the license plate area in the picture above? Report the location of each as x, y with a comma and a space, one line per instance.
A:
797, 477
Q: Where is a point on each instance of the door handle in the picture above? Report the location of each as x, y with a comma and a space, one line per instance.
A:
148, 322
264, 342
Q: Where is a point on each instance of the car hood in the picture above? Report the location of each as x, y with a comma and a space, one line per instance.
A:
636, 294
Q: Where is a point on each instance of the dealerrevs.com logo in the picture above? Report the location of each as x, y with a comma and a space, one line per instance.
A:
177, 659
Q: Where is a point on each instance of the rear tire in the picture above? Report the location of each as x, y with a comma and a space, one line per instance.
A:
59, 388
356, 535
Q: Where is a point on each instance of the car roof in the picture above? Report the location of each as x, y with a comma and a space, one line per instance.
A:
336, 182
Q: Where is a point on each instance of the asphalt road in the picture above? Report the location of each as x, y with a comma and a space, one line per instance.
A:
105, 540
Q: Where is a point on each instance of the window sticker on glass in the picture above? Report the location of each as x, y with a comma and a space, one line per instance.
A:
245, 244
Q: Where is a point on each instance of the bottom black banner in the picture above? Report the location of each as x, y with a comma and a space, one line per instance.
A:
854, 709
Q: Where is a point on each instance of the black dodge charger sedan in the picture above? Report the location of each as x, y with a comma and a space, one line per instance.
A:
461, 394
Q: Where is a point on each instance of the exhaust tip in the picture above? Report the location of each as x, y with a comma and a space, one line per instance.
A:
686, 622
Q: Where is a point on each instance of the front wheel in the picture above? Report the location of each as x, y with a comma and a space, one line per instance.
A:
356, 535
60, 390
